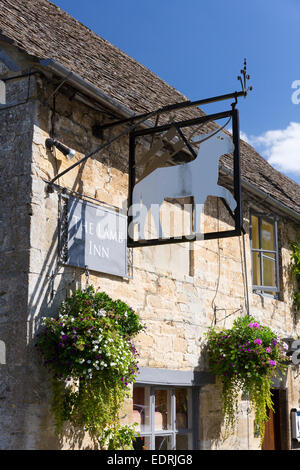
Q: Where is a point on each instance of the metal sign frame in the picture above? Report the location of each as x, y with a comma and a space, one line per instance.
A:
237, 215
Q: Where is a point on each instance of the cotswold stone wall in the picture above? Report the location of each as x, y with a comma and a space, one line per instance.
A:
178, 292
16, 133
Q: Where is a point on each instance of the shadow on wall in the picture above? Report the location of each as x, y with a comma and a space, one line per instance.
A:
49, 286
210, 412
76, 439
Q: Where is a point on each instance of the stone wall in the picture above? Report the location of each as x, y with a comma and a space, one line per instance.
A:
178, 292
16, 133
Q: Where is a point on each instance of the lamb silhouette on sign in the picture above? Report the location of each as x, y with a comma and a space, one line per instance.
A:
198, 178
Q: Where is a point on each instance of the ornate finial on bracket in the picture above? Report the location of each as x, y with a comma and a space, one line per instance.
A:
244, 79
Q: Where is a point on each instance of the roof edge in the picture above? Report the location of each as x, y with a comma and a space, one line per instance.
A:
265, 196
91, 90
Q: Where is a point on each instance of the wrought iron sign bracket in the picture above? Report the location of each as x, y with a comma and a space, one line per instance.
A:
135, 123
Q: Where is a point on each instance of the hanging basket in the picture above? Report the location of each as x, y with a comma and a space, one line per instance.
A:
88, 349
245, 359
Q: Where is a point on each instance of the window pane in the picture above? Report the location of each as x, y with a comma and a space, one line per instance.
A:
181, 408
255, 231
163, 442
141, 408
267, 235
182, 441
142, 443
162, 418
256, 269
269, 271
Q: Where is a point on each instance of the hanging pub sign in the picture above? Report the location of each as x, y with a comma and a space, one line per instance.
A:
155, 177
161, 175
96, 238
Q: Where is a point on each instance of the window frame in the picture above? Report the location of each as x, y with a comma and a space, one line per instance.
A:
272, 219
173, 431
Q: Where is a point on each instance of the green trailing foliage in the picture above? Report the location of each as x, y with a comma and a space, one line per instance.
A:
246, 358
88, 349
295, 258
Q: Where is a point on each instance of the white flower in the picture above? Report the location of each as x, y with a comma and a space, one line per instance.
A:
285, 346
101, 312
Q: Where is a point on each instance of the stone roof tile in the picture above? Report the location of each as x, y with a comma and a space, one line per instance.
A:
44, 30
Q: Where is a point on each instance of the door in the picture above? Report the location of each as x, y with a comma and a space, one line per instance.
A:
276, 426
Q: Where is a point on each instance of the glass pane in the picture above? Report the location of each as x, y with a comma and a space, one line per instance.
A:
267, 235
256, 269
181, 408
255, 231
269, 271
141, 408
162, 418
142, 443
182, 441
163, 442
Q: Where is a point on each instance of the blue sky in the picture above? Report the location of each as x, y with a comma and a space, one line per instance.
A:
199, 47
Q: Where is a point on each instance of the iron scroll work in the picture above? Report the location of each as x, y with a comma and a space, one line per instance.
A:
236, 214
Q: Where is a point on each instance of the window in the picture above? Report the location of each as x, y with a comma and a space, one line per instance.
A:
164, 417
265, 274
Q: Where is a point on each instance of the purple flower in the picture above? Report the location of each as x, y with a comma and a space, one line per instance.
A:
268, 350
272, 363
257, 341
274, 342
253, 325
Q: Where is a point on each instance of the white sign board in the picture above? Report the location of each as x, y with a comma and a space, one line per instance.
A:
97, 238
